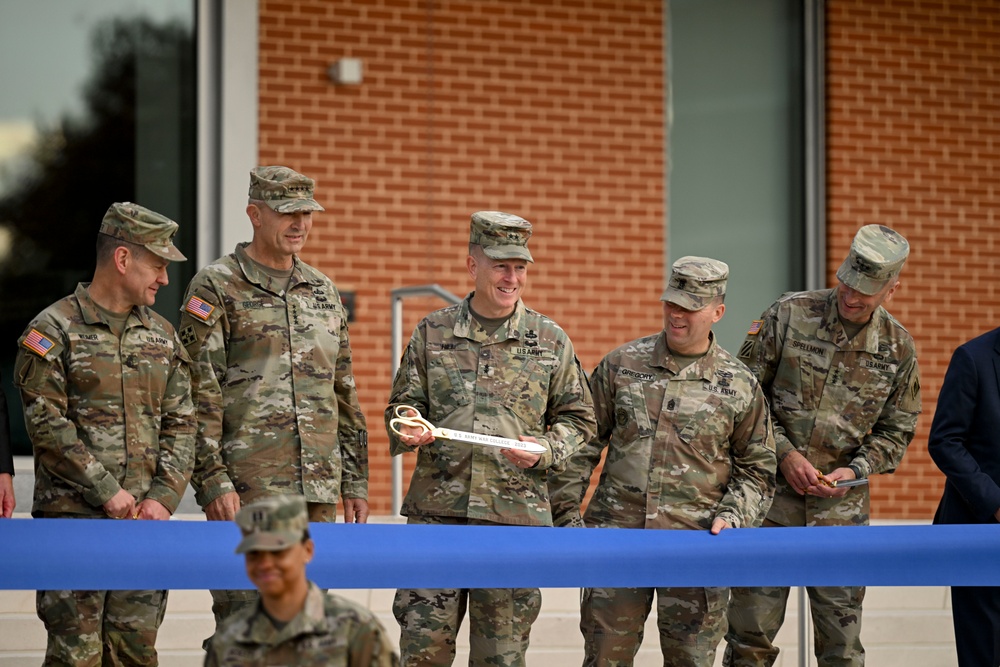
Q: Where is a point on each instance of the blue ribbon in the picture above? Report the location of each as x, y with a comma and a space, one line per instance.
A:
105, 554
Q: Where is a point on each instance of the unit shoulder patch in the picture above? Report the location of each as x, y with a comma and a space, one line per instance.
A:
188, 335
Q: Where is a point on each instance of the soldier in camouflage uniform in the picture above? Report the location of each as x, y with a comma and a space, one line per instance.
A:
294, 623
689, 447
841, 378
7, 500
487, 365
106, 389
278, 409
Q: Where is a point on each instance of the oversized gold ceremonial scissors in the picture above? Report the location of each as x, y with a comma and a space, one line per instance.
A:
407, 415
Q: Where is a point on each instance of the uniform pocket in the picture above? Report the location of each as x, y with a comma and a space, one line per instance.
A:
447, 388
707, 425
527, 396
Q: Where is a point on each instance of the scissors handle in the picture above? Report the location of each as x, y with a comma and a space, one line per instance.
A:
407, 415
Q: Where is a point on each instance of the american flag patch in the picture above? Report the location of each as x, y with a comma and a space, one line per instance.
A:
199, 308
755, 327
38, 343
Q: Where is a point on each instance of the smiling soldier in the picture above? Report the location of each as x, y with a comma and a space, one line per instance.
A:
278, 409
488, 365
689, 447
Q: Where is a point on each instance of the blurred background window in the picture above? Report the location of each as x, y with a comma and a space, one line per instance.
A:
88, 88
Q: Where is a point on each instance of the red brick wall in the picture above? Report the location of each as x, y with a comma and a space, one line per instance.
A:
550, 110
914, 144
555, 111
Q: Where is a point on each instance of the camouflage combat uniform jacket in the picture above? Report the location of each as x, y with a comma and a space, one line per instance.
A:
104, 414
685, 446
838, 402
278, 409
523, 380
329, 631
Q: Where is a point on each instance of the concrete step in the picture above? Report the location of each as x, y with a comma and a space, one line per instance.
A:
904, 627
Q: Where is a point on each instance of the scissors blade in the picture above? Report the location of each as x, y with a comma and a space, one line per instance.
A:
850, 482
488, 440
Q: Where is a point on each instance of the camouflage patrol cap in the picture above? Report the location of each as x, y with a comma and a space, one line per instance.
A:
283, 189
876, 257
272, 524
137, 224
695, 281
501, 235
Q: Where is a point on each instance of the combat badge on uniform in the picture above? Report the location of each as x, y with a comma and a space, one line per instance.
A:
38, 343
199, 308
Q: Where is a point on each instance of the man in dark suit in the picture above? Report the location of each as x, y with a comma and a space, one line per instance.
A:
964, 445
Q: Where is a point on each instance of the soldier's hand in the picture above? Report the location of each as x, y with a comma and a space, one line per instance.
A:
519, 458
355, 510
121, 505
223, 508
152, 510
824, 487
413, 436
799, 473
7, 502
719, 525
569, 520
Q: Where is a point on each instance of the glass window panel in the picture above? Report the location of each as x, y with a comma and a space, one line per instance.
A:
736, 148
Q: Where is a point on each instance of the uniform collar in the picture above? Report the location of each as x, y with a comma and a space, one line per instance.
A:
466, 325
92, 314
310, 621
832, 329
702, 367
263, 280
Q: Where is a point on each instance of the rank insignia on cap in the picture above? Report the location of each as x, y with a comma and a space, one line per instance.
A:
199, 308
37, 343
755, 327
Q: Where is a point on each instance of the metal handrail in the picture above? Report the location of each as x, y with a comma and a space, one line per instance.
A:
398, 295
